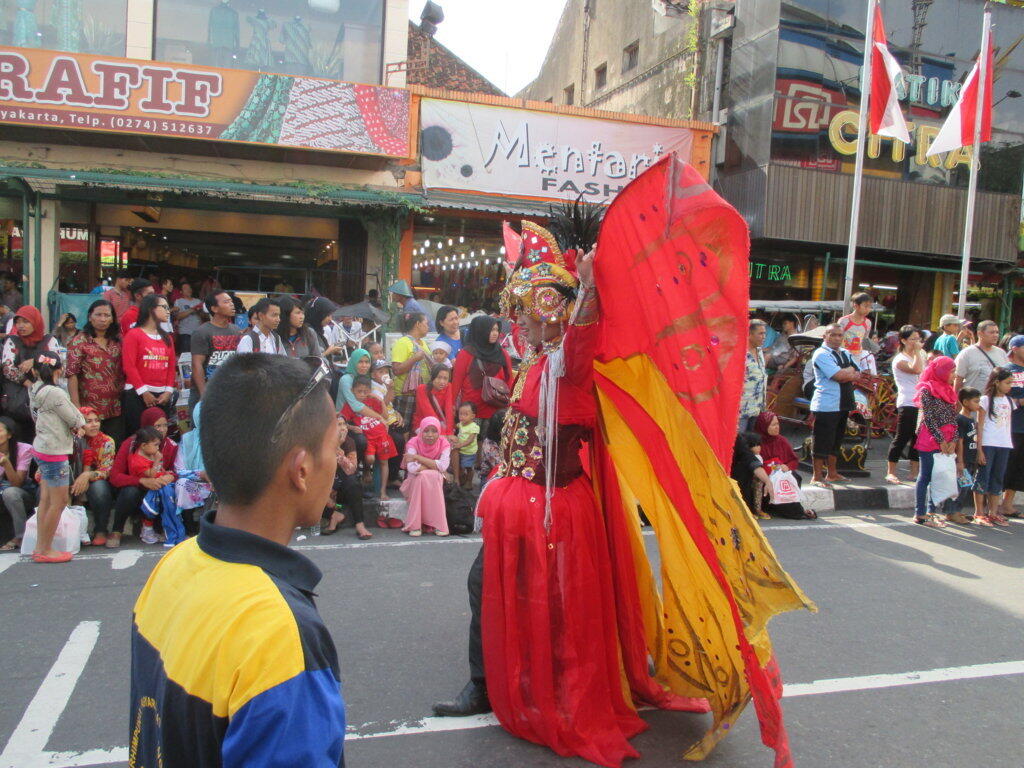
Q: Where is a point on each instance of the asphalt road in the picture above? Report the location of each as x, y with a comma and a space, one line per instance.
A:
897, 601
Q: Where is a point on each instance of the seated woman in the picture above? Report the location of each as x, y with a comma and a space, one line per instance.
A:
436, 398
94, 453
15, 500
777, 452
131, 489
192, 488
347, 491
426, 467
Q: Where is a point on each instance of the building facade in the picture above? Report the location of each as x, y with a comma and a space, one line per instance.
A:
225, 138
623, 56
792, 90
781, 79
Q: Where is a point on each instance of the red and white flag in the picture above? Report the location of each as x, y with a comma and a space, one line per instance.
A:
886, 116
958, 130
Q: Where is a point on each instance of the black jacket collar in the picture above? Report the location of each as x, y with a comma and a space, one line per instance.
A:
236, 546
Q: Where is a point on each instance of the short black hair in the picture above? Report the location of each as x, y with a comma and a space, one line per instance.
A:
860, 298
263, 305
468, 404
752, 439
241, 407
362, 380
968, 393
211, 299
410, 319
122, 274
494, 425
113, 332
139, 284
148, 435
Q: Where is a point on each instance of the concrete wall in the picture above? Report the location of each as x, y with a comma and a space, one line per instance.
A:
656, 85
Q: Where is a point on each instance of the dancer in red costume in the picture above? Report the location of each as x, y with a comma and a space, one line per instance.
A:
568, 611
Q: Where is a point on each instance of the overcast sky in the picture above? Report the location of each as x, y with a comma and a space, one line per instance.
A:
505, 42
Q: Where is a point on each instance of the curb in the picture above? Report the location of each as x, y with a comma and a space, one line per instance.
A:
853, 496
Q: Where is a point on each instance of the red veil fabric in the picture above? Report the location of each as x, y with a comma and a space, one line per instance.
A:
672, 275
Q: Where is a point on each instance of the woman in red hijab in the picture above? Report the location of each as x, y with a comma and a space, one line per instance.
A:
131, 489
20, 349
777, 452
937, 402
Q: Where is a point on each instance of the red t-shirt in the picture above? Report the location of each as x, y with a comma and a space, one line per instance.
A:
148, 362
368, 424
139, 465
129, 319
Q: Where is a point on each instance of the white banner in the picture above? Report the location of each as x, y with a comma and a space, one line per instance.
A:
480, 148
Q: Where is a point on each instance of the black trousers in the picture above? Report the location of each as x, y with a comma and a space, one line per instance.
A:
476, 645
906, 431
132, 406
129, 502
829, 429
350, 493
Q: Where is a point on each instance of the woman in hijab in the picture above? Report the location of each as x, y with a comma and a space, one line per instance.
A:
777, 452
319, 312
937, 402
192, 488
131, 489
435, 398
358, 365
20, 349
426, 464
481, 356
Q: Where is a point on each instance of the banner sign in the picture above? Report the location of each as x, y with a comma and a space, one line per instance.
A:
518, 152
97, 93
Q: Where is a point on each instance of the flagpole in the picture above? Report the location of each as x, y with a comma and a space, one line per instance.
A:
972, 186
858, 168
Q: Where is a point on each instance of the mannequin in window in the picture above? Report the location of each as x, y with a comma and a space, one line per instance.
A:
261, 54
297, 46
222, 34
26, 29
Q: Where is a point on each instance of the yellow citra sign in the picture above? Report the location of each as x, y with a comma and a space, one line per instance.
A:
842, 135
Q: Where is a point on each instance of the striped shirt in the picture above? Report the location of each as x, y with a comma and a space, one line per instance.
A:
231, 663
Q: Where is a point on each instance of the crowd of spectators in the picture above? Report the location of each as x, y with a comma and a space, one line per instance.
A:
93, 413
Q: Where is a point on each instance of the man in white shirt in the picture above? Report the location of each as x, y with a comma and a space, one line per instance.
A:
975, 364
262, 337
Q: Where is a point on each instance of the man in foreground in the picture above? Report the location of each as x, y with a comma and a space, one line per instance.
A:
231, 662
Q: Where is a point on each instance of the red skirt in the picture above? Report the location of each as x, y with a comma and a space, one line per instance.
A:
549, 626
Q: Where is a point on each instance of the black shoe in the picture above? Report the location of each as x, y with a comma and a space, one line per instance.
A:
471, 701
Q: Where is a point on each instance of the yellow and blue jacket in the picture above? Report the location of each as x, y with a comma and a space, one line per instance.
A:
231, 663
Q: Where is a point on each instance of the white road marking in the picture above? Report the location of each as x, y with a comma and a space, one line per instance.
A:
7, 559
873, 682
27, 742
125, 558
29, 752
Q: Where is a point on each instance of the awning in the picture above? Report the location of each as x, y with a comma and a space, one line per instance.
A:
189, 191
460, 201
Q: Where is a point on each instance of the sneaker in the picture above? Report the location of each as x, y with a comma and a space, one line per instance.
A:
148, 535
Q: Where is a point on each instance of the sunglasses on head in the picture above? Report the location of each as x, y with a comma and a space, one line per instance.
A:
320, 369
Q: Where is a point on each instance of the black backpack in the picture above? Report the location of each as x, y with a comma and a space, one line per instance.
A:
458, 507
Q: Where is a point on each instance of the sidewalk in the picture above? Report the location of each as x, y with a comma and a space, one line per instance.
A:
870, 492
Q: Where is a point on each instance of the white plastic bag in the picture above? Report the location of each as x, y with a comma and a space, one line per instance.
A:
83, 521
67, 537
784, 486
944, 480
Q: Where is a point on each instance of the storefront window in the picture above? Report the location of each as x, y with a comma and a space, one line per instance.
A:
336, 39
458, 262
78, 26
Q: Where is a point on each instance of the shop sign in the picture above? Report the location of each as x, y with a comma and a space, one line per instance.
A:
501, 150
773, 273
78, 91
842, 135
